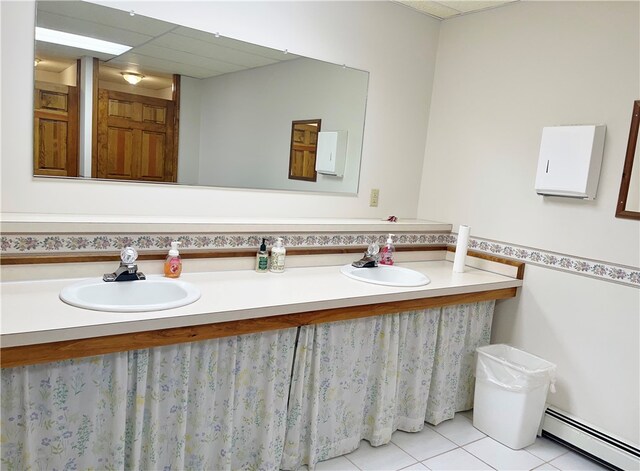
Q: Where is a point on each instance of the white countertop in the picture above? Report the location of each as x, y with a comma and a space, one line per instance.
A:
32, 312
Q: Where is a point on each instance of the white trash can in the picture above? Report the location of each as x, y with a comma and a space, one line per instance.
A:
510, 395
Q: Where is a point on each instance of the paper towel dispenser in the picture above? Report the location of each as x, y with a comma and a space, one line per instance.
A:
570, 159
331, 153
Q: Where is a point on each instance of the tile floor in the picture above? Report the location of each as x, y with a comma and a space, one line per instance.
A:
456, 445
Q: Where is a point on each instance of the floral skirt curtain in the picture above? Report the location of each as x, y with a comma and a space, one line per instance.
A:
366, 378
261, 401
212, 405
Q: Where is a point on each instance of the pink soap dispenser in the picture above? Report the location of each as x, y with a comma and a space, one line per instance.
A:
386, 257
173, 262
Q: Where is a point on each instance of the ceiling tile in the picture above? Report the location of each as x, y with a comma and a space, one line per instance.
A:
450, 8
432, 8
467, 6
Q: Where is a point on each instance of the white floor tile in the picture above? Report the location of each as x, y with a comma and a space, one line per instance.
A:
501, 457
424, 444
382, 458
415, 467
468, 414
339, 463
459, 430
574, 462
456, 460
546, 467
546, 449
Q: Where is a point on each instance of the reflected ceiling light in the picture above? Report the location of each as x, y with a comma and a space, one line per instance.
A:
132, 77
36, 62
80, 42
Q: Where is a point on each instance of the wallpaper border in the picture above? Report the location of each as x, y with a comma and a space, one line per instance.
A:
605, 271
62, 244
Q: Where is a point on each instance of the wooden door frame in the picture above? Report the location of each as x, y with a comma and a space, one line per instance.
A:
293, 126
175, 127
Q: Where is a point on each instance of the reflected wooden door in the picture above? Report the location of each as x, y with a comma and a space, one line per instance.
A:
304, 143
135, 137
55, 137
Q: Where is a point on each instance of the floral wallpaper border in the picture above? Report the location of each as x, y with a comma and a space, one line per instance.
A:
604, 271
79, 243
38, 244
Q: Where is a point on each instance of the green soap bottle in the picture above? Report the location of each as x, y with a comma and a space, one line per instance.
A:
262, 258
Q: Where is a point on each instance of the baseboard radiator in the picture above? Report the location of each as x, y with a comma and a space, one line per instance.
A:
586, 439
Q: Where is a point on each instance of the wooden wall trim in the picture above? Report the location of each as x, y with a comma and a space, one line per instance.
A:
492, 258
30, 259
55, 351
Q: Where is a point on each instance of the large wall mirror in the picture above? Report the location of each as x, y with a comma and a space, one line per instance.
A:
629, 199
122, 96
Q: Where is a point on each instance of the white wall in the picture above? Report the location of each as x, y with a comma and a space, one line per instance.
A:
190, 132
246, 123
396, 45
501, 75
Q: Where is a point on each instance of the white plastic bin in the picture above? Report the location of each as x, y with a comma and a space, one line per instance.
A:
511, 392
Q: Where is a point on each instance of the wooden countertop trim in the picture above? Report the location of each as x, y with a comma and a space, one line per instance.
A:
493, 258
54, 351
31, 259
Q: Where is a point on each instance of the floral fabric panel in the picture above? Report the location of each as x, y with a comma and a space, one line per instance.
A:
217, 404
65, 415
366, 378
462, 329
343, 388
417, 350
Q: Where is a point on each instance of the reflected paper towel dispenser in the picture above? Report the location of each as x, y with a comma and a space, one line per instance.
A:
331, 152
570, 159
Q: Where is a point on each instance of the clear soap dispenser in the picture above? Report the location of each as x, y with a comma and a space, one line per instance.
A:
173, 262
277, 256
386, 256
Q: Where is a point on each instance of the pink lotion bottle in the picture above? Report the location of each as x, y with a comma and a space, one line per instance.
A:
173, 262
386, 256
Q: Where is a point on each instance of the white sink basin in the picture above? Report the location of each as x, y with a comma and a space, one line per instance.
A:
389, 275
152, 294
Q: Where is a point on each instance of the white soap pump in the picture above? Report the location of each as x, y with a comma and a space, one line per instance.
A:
386, 257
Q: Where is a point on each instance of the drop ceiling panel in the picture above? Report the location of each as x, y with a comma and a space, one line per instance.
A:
196, 50
99, 15
137, 63
91, 29
466, 6
181, 58
235, 45
432, 8
449, 8
66, 52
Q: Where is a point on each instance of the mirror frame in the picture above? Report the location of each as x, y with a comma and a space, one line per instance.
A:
621, 208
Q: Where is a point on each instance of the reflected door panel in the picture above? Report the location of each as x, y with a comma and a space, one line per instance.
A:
304, 144
135, 137
55, 130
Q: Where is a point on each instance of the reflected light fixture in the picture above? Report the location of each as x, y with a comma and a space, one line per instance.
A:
132, 77
36, 62
80, 42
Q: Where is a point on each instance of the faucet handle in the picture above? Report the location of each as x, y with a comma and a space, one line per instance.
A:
372, 250
128, 255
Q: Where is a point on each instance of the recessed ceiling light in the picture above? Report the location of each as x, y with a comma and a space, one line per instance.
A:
80, 42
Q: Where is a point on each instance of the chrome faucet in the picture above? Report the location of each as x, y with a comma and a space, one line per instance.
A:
128, 270
370, 259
